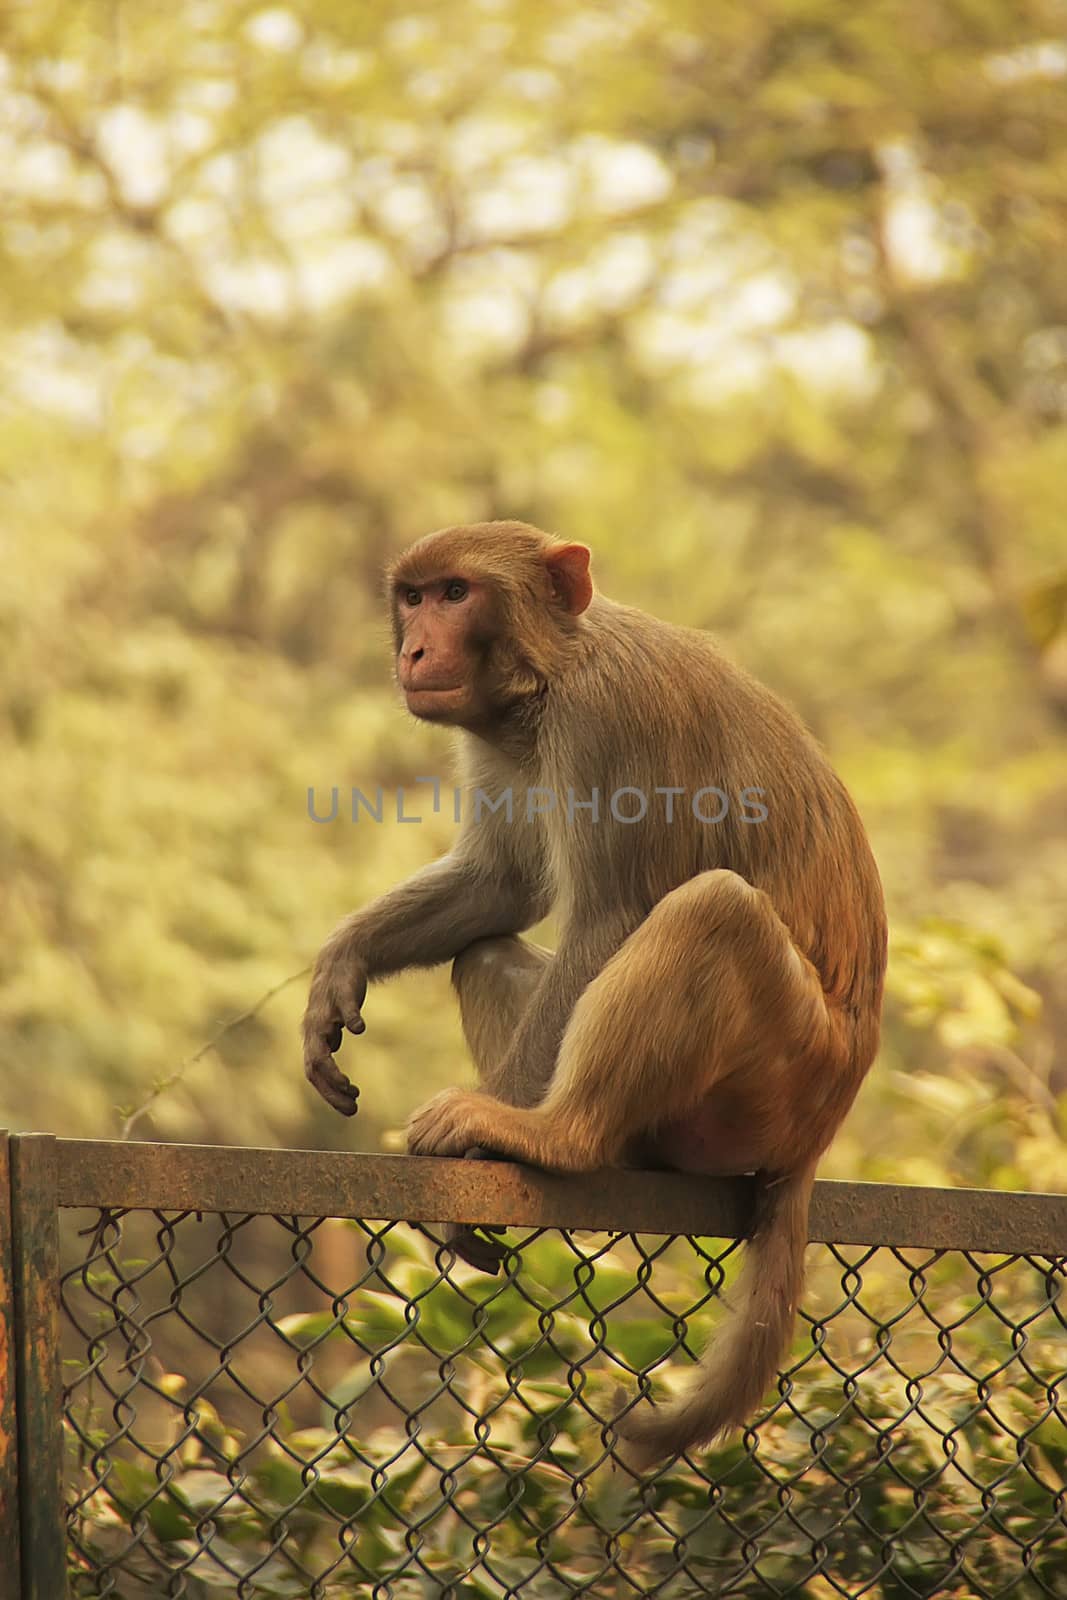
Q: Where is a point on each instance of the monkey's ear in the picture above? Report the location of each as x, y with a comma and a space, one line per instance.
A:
568, 573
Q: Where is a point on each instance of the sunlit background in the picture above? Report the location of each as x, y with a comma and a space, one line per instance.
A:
767, 303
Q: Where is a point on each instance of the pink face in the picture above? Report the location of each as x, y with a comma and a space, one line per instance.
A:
454, 635
437, 665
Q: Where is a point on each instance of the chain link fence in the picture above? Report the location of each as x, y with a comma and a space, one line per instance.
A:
261, 1403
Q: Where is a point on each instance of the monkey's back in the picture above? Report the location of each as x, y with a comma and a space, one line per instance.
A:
659, 708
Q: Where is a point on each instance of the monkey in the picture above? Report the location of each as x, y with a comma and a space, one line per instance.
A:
714, 999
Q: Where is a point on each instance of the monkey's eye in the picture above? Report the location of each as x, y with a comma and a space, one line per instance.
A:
456, 590
412, 597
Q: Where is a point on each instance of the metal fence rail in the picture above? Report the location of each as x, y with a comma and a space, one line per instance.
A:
259, 1373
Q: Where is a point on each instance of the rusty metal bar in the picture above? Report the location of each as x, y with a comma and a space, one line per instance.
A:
9, 1455
419, 1189
35, 1255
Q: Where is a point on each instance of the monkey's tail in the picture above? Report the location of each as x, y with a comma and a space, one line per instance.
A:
739, 1366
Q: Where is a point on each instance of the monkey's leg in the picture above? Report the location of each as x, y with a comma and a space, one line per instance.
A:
494, 979
709, 990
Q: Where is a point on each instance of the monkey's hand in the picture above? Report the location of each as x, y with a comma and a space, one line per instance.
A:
338, 989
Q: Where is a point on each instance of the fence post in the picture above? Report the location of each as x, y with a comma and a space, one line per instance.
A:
35, 1254
9, 1452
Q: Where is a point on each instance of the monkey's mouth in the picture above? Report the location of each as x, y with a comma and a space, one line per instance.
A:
434, 700
410, 689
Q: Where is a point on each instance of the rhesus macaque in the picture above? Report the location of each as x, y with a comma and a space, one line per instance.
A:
714, 1001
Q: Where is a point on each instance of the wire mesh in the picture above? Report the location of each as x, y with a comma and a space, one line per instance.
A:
278, 1406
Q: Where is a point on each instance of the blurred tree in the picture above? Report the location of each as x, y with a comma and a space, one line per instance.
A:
766, 303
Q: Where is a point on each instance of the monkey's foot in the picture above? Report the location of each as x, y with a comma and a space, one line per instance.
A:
450, 1124
436, 1130
474, 1248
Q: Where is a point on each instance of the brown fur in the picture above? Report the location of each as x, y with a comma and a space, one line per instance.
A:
714, 1001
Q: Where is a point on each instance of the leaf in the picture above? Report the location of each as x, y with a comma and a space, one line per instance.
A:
307, 1327
344, 1489
203, 1489
642, 1341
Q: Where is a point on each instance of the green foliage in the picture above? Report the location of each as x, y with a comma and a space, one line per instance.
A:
768, 305
465, 1429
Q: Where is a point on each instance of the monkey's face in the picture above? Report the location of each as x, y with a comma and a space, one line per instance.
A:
480, 616
443, 631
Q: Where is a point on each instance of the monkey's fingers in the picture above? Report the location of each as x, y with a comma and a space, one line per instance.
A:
337, 1090
486, 1255
471, 1244
477, 1153
322, 1071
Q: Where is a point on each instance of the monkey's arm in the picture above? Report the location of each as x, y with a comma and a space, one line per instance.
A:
476, 892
